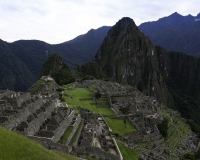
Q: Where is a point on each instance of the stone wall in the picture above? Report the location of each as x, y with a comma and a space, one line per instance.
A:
49, 144
23, 97
17, 99
102, 104
79, 132
112, 105
34, 125
15, 119
74, 129
133, 124
63, 125
95, 151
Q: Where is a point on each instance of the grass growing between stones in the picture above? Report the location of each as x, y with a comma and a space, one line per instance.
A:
178, 129
64, 137
118, 126
75, 134
142, 144
127, 153
14, 147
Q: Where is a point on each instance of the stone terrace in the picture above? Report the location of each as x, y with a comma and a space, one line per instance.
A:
96, 137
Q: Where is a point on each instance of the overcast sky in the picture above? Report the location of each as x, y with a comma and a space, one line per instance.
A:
56, 21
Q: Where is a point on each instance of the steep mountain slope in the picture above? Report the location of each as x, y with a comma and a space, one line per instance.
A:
21, 61
14, 74
175, 33
56, 68
128, 56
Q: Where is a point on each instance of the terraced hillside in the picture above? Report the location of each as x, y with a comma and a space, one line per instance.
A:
180, 138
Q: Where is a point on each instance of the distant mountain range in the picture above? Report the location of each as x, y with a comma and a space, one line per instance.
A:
21, 61
175, 33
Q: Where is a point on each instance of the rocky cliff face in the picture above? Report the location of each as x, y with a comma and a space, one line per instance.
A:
128, 56
182, 77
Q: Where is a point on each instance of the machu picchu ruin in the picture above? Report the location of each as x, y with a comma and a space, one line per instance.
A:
97, 118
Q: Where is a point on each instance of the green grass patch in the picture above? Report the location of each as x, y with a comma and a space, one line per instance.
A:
118, 126
17, 147
141, 144
76, 134
93, 88
76, 98
127, 153
64, 137
75, 94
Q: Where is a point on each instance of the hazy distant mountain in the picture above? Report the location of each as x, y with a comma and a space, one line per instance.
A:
175, 33
21, 61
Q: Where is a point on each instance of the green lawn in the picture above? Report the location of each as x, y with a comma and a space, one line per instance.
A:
75, 98
143, 143
127, 153
17, 147
64, 137
97, 110
118, 126
75, 94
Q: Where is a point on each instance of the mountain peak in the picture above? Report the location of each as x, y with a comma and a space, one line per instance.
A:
125, 21
175, 15
198, 15
56, 68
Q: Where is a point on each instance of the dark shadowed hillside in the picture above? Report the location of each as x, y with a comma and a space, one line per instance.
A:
56, 68
22, 60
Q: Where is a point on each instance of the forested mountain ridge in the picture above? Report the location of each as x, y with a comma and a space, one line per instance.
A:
22, 60
175, 33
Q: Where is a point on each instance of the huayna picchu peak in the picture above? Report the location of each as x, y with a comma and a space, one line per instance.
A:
128, 56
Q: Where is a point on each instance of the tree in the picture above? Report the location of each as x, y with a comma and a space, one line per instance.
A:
163, 127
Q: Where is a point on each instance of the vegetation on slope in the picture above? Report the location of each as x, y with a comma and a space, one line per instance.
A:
22, 60
16, 147
127, 153
89, 70
55, 67
42, 85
